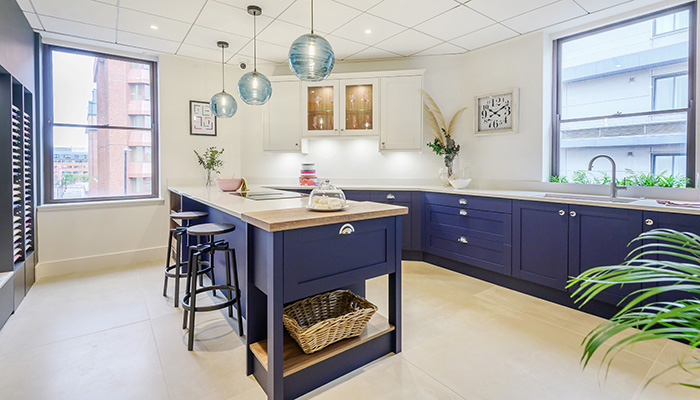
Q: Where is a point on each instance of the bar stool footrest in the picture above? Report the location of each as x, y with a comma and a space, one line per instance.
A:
169, 268
218, 306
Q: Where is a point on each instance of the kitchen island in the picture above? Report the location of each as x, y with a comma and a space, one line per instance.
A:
286, 253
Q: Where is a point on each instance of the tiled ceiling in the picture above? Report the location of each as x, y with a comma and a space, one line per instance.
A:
357, 29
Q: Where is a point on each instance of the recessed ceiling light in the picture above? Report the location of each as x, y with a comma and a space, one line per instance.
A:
368, 31
154, 27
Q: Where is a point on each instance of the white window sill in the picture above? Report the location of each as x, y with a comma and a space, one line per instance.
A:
100, 204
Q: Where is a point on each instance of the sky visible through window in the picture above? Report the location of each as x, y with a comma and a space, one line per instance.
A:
73, 85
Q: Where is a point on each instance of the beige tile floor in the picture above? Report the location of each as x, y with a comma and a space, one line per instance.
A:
111, 335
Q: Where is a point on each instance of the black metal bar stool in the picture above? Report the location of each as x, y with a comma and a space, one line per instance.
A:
189, 300
175, 270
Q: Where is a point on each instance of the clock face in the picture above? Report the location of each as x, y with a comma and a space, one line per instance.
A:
496, 112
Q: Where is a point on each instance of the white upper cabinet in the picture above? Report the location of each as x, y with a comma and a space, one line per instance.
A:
387, 105
282, 117
402, 113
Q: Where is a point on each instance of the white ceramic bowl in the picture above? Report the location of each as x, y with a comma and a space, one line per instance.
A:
460, 183
229, 185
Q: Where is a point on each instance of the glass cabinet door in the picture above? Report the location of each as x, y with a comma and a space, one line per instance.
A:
359, 107
320, 109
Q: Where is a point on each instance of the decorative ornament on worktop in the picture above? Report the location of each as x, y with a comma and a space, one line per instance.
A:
444, 144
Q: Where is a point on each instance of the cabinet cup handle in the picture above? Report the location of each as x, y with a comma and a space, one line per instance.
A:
649, 221
462, 239
462, 212
572, 213
390, 197
562, 212
346, 229
463, 201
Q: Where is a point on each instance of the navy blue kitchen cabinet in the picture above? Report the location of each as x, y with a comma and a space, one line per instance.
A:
599, 236
408, 225
541, 242
472, 230
677, 222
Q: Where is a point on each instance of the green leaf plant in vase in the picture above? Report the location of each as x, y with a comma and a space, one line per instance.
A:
666, 265
443, 143
211, 161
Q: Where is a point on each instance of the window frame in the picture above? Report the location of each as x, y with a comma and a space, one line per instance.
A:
673, 160
48, 125
690, 110
656, 78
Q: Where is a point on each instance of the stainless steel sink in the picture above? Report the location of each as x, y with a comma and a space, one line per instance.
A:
603, 199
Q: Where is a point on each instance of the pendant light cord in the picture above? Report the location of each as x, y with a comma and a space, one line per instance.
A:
255, 43
312, 17
223, 76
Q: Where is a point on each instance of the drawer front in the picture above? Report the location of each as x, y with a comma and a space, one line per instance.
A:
470, 250
470, 202
486, 225
382, 196
319, 258
356, 195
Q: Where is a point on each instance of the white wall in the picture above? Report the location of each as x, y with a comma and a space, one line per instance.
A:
452, 81
74, 237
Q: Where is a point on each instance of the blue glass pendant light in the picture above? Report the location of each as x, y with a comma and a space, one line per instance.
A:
254, 88
311, 57
223, 105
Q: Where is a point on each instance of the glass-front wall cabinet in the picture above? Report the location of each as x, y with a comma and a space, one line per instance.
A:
342, 107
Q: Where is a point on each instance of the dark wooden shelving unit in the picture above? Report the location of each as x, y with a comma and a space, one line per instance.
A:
17, 238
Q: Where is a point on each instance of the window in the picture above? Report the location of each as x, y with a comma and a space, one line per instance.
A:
621, 91
98, 146
670, 23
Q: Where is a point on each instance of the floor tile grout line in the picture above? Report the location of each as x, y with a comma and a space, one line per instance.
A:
433, 377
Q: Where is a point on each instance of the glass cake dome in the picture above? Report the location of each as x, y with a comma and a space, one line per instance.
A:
327, 197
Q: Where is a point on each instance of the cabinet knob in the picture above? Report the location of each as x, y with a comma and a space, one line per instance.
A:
462, 239
649, 221
572, 213
341, 129
296, 144
346, 229
336, 129
383, 145
462, 212
390, 196
562, 212
463, 201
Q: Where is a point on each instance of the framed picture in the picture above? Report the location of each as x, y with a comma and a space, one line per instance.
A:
497, 112
202, 119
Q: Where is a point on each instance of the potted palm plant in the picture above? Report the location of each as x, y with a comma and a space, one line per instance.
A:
665, 261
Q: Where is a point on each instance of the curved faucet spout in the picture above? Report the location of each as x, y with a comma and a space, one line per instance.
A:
614, 187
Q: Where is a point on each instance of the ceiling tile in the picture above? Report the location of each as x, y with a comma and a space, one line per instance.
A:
266, 51
456, 22
230, 19
25, 5
86, 11
271, 8
408, 42
181, 10
442, 49
33, 21
328, 14
380, 29
492, 34
138, 22
282, 33
111, 2
78, 29
343, 47
362, 5
597, 5
207, 38
504, 9
373, 52
147, 42
411, 12
201, 53
549, 15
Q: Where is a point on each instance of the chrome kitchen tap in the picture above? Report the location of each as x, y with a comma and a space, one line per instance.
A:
614, 187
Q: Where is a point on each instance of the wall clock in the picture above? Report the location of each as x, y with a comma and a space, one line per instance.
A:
497, 112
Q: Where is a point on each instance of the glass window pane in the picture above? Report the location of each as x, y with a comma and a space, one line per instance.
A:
681, 91
612, 71
630, 141
320, 108
682, 20
663, 93
358, 107
93, 163
663, 164
679, 166
96, 90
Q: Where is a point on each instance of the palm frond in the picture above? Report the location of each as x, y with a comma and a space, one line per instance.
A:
435, 110
433, 124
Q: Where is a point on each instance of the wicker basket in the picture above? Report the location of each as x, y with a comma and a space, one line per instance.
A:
321, 320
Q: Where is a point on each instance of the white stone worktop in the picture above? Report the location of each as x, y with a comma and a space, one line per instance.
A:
638, 204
